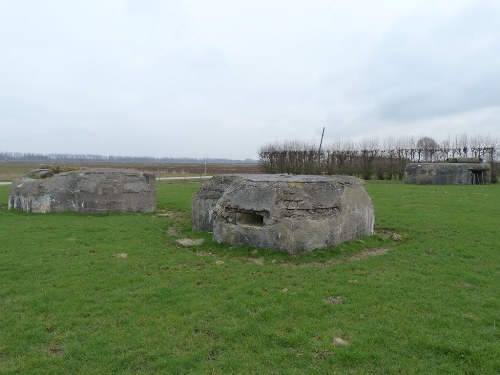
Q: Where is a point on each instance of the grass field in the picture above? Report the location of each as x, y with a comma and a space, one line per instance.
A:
88, 294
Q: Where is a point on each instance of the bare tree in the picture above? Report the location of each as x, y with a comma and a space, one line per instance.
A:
427, 147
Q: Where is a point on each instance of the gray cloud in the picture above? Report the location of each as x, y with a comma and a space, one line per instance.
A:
430, 66
222, 78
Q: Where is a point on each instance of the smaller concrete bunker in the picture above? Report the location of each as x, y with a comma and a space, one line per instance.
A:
457, 171
98, 190
284, 212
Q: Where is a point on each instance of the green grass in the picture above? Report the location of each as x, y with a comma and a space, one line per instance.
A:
428, 306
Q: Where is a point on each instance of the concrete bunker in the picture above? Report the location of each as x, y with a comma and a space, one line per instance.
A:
285, 212
96, 190
458, 171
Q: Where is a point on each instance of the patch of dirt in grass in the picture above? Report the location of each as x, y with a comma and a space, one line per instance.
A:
258, 261
54, 350
465, 285
120, 255
205, 332
322, 355
387, 233
368, 253
172, 231
205, 253
50, 328
190, 242
212, 355
166, 214
334, 300
71, 239
314, 264
338, 341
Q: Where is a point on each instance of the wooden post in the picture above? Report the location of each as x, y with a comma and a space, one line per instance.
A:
319, 149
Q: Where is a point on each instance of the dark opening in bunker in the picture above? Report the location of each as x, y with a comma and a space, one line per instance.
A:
477, 177
250, 218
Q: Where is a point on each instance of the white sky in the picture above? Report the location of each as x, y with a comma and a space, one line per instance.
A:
221, 78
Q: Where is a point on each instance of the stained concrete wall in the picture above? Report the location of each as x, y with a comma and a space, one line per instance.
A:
205, 199
88, 190
288, 213
448, 173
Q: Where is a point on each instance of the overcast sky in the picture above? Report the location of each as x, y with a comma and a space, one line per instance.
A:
219, 78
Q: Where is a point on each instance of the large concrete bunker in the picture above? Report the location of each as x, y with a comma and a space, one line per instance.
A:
285, 212
455, 172
97, 190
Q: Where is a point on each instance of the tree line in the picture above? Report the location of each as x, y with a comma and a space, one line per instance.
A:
89, 158
375, 159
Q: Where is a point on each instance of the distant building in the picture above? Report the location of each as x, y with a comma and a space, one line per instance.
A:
459, 171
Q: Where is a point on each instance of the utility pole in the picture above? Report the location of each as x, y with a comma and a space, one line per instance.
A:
320, 144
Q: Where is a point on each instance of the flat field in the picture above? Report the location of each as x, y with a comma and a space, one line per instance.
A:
10, 171
117, 293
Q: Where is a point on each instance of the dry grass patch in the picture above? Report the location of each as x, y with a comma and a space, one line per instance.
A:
339, 341
190, 242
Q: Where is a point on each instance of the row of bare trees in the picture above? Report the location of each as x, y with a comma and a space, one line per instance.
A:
372, 158
90, 158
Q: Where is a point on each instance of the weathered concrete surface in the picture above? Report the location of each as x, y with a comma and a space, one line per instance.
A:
448, 173
87, 190
291, 213
205, 199
464, 160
